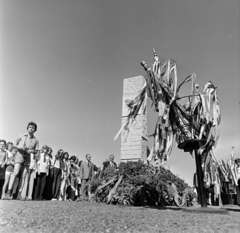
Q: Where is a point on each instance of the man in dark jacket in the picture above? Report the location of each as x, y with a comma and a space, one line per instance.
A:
110, 163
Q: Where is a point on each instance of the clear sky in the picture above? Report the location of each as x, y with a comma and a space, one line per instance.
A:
63, 63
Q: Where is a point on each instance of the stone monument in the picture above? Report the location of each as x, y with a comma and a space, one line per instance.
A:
134, 141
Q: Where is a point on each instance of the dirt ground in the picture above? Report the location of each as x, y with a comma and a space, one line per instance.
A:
54, 216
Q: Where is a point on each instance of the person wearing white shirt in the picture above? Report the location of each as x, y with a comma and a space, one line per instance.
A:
3, 154
42, 172
110, 163
9, 165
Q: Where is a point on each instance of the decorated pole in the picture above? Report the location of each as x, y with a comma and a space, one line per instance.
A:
193, 125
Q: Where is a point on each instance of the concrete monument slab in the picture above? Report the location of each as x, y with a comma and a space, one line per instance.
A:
134, 141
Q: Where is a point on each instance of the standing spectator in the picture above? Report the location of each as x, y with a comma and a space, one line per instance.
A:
86, 173
110, 163
49, 181
9, 149
9, 165
29, 168
78, 191
26, 144
42, 173
31, 179
72, 190
57, 173
3, 155
65, 176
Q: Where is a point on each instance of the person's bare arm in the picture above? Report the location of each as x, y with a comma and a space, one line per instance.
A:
20, 148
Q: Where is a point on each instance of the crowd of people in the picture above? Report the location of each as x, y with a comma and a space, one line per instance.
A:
28, 172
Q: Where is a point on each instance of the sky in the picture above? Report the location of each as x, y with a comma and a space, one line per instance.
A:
63, 62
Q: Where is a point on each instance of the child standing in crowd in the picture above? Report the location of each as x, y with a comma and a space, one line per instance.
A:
9, 149
78, 162
57, 173
3, 151
9, 165
3, 155
65, 177
42, 172
72, 189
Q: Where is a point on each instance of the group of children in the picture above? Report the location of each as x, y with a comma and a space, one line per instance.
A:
44, 177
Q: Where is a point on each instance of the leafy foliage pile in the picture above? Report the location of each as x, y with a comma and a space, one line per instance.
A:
139, 185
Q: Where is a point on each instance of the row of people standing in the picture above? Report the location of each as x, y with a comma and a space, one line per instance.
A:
35, 174
46, 177
19, 160
32, 173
